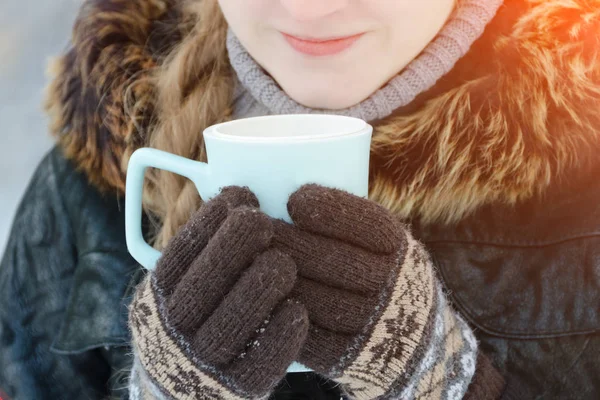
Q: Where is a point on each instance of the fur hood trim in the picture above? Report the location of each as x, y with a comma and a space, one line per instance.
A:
519, 112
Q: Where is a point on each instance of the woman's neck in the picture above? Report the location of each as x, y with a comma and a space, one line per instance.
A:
465, 25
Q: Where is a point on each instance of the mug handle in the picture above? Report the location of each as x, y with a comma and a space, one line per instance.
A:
196, 171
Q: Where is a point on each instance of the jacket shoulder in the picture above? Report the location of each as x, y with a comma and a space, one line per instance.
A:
36, 274
64, 281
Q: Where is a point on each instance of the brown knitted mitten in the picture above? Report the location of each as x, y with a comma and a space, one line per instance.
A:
214, 321
380, 323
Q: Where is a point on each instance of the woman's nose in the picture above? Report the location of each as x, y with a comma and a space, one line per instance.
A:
308, 10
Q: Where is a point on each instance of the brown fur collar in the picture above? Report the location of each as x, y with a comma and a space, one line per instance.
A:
519, 112
116, 45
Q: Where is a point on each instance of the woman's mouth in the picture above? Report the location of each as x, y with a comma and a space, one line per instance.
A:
321, 47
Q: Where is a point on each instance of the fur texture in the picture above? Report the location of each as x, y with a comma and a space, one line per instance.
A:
519, 112
116, 45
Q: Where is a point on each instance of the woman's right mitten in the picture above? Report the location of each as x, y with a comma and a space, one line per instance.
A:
214, 320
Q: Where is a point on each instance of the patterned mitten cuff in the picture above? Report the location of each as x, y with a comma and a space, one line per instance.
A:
418, 347
215, 319
380, 323
141, 386
163, 365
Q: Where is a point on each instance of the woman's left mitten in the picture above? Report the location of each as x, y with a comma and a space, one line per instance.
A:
380, 324
215, 321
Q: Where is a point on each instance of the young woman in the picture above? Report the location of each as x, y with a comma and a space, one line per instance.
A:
486, 140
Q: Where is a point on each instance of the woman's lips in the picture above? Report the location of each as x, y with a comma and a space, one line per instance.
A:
321, 47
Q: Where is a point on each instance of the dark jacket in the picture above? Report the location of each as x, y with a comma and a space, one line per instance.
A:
508, 205
526, 278
66, 280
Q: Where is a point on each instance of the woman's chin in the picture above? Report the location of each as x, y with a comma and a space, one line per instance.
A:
331, 99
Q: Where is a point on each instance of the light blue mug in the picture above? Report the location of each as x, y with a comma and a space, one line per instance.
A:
272, 155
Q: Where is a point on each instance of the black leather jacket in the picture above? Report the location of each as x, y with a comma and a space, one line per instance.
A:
527, 279
65, 281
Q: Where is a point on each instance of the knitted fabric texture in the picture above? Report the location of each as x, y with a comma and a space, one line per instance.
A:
466, 25
380, 322
214, 320
424, 348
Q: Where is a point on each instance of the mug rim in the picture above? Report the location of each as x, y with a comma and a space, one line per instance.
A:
215, 133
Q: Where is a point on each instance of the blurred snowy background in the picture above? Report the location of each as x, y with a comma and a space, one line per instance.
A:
30, 33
